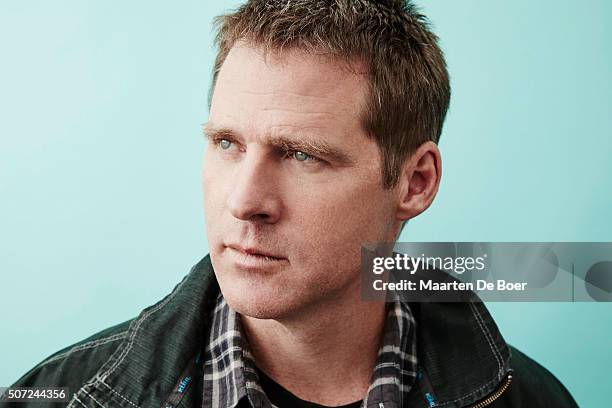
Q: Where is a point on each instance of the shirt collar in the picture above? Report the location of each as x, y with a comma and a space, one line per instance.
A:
230, 373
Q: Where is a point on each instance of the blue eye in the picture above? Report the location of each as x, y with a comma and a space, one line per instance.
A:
301, 156
225, 144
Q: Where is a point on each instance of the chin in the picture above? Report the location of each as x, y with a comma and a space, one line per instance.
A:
256, 302
260, 294
261, 297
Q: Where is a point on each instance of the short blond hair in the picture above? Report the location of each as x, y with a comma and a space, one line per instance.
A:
409, 86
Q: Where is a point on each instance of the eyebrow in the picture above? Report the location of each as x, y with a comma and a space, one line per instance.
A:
318, 148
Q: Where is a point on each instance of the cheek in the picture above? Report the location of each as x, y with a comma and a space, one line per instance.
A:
336, 224
347, 210
213, 189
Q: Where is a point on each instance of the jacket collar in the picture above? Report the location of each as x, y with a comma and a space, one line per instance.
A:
462, 356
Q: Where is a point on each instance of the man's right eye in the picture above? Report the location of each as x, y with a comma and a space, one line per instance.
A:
224, 144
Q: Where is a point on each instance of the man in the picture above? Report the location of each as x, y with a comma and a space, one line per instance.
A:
323, 129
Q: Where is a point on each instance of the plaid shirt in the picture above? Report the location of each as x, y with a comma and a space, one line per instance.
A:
230, 373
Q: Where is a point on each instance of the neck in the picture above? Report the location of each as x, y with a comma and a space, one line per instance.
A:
325, 356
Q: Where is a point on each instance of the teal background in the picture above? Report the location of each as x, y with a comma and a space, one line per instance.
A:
100, 159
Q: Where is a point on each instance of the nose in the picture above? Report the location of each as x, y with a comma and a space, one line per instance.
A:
255, 196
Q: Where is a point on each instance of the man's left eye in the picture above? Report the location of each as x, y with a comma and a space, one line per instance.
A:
302, 157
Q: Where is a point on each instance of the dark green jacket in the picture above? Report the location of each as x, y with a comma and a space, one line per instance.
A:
463, 359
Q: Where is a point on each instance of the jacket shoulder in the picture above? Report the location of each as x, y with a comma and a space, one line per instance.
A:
75, 364
534, 386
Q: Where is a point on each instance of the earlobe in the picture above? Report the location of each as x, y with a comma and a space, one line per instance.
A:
419, 181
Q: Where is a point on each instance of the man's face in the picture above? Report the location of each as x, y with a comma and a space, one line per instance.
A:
292, 185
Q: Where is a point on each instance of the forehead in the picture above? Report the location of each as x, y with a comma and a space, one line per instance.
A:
258, 92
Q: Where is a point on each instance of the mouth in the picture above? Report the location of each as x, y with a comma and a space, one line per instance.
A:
254, 258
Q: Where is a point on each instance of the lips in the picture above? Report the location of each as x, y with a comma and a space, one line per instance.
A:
257, 252
255, 260
251, 256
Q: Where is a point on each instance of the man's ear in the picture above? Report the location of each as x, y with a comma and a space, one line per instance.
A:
419, 181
